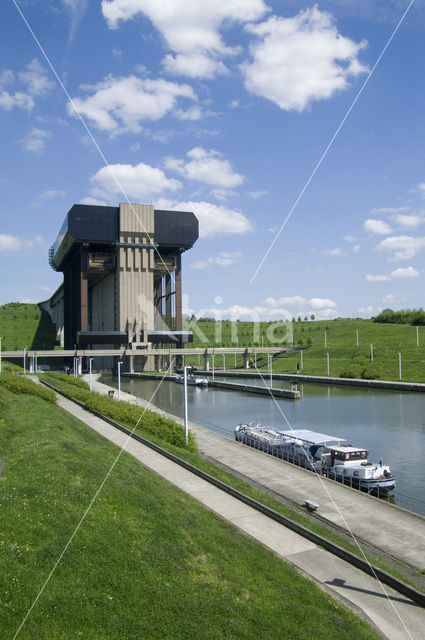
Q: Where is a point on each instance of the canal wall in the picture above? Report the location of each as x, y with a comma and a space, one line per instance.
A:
231, 386
350, 382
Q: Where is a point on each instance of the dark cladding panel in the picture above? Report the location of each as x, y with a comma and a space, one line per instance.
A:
176, 229
84, 223
93, 223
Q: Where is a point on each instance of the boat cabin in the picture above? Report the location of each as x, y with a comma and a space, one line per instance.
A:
345, 454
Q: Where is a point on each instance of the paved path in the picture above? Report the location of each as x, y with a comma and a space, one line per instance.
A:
394, 615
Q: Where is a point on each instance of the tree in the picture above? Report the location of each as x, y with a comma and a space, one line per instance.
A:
312, 317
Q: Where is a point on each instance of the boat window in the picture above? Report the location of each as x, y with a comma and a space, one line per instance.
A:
356, 473
357, 455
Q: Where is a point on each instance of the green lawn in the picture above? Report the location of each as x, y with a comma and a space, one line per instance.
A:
26, 325
148, 562
345, 358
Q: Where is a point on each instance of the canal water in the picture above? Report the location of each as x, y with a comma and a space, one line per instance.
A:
390, 424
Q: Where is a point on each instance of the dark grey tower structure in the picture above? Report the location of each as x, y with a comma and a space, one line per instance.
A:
122, 274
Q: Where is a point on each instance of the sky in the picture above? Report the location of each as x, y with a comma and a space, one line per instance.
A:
294, 131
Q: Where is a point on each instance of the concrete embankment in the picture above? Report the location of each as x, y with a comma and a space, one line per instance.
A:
300, 378
231, 386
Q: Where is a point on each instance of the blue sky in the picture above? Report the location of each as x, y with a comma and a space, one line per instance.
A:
224, 108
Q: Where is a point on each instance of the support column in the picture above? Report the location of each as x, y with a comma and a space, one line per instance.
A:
178, 288
84, 294
168, 315
178, 303
206, 361
131, 364
246, 359
80, 365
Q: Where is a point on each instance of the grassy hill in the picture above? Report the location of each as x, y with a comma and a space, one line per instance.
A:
26, 325
345, 358
147, 562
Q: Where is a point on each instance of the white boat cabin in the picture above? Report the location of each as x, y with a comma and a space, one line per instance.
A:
346, 455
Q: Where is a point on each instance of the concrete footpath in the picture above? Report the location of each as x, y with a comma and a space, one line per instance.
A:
394, 615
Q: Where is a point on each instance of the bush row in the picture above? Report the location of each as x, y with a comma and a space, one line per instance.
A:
69, 380
129, 415
20, 385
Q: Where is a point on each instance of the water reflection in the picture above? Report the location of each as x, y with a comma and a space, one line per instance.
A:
390, 424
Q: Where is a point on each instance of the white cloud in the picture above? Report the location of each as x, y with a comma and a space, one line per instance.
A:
50, 194
35, 140
402, 247
377, 226
191, 30
96, 201
77, 10
223, 259
213, 219
17, 99
369, 310
408, 272
377, 278
421, 188
34, 83
141, 181
384, 210
300, 59
300, 301
36, 79
410, 221
207, 167
118, 105
257, 194
15, 243
356, 248
333, 252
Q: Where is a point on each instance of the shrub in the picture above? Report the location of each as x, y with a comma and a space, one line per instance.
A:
69, 380
353, 371
372, 371
129, 415
22, 385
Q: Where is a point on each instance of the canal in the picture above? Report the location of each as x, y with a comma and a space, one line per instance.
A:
390, 424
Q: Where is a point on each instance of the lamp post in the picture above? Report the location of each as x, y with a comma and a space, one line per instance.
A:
371, 352
327, 357
270, 363
357, 337
90, 376
213, 367
25, 353
119, 380
1, 338
185, 403
399, 365
302, 360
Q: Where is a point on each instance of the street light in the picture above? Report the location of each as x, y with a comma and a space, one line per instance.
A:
90, 376
1, 338
327, 356
213, 367
185, 403
119, 380
25, 353
270, 363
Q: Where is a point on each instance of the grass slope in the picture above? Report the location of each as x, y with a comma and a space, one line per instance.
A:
346, 359
26, 325
148, 561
